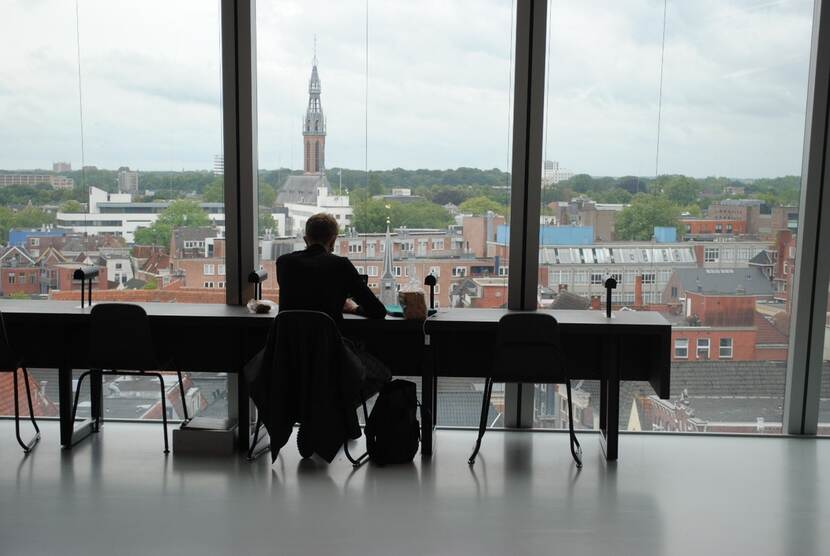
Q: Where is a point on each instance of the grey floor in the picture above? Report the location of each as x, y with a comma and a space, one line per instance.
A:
118, 494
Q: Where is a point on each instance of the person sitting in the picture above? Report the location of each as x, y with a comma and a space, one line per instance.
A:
315, 279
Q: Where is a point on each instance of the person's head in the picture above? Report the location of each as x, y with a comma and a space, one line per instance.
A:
321, 229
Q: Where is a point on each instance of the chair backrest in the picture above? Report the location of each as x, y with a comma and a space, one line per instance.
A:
528, 348
120, 338
9, 360
305, 329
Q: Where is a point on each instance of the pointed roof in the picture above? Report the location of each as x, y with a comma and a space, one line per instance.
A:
22, 255
387, 255
763, 258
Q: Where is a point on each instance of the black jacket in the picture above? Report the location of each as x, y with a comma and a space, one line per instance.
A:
305, 375
316, 280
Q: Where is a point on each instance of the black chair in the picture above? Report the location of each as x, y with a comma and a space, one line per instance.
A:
528, 349
120, 338
11, 363
291, 329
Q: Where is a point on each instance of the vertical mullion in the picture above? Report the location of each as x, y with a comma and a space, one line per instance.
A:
525, 192
240, 145
809, 292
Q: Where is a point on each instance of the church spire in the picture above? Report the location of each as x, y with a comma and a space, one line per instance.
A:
314, 125
388, 283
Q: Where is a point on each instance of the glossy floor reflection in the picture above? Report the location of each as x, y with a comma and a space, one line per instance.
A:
118, 494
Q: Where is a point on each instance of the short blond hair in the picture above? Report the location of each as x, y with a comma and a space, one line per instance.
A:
321, 228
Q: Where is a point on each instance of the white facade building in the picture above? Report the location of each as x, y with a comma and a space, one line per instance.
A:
115, 213
552, 173
336, 205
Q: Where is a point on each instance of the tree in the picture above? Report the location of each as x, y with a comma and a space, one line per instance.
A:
182, 213
375, 187
179, 214
151, 284
267, 222
637, 221
215, 192
72, 206
32, 217
267, 195
370, 215
680, 190
478, 206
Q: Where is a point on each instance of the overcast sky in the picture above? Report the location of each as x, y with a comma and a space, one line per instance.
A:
439, 94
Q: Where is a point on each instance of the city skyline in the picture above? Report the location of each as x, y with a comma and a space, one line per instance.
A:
155, 105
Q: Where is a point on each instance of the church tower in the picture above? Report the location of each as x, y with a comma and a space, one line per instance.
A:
314, 127
388, 283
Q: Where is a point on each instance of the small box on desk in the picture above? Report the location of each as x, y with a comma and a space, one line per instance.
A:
206, 436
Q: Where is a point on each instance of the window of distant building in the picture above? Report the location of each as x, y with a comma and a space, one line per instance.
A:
459, 271
437, 243
596, 278
504, 271
718, 228
355, 247
220, 269
396, 270
703, 348
208, 269
674, 292
372, 270
359, 269
435, 271
11, 278
681, 348
725, 348
648, 277
711, 254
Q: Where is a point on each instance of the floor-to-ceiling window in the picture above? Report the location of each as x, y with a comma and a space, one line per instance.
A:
392, 115
112, 159
672, 162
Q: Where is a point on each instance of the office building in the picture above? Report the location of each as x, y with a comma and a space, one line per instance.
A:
127, 180
57, 182
552, 173
61, 167
118, 215
218, 165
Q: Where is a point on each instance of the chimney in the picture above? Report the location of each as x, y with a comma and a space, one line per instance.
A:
596, 302
638, 291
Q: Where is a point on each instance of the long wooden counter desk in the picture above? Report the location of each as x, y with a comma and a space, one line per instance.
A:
221, 338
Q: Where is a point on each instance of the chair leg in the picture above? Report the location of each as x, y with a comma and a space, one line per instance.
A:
482, 423
36, 438
184, 400
576, 449
252, 447
77, 395
163, 409
363, 458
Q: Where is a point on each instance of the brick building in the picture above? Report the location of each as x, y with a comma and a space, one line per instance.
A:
703, 229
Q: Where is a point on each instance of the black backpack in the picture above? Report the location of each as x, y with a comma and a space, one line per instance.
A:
393, 432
